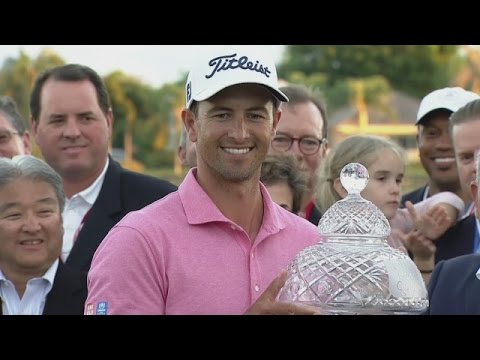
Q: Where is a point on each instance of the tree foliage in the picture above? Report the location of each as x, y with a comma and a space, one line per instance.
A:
145, 115
151, 116
413, 69
18, 74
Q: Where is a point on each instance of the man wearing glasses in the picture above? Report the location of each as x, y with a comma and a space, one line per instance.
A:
14, 137
302, 131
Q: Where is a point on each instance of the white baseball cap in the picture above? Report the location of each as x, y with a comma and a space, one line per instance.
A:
449, 98
228, 66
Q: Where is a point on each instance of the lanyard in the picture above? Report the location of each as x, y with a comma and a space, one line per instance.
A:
85, 217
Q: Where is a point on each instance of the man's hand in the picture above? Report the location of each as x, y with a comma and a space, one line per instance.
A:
267, 305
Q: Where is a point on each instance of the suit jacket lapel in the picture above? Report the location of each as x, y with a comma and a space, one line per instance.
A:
67, 289
100, 219
472, 294
465, 240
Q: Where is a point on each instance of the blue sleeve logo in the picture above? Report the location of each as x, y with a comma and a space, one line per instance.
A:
102, 307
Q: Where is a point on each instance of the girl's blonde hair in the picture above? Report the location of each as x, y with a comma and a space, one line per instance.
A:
363, 149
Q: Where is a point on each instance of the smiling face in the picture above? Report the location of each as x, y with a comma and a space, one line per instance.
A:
436, 150
72, 131
232, 132
31, 229
299, 120
384, 186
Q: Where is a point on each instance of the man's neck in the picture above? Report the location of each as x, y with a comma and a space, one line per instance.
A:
76, 183
241, 202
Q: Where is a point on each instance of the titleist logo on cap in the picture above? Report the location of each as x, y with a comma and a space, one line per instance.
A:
227, 62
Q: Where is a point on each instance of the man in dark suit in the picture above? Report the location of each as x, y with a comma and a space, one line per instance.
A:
464, 128
68, 293
458, 240
72, 123
454, 286
122, 191
435, 145
32, 279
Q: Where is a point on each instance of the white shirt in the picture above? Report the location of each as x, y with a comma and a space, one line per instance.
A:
75, 209
33, 300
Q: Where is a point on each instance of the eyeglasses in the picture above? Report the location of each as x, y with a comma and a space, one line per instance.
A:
308, 145
6, 136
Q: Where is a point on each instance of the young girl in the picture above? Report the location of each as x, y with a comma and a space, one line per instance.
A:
385, 162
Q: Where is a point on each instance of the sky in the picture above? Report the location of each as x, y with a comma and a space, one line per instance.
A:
153, 64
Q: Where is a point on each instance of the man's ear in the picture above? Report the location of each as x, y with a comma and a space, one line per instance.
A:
276, 118
27, 143
188, 118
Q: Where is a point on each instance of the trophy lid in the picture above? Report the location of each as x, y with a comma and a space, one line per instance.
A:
354, 218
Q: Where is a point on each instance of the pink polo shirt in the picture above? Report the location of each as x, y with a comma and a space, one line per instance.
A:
181, 255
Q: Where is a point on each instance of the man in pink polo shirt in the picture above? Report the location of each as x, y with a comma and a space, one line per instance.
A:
219, 244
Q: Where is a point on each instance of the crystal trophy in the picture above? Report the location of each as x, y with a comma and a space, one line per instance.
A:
354, 270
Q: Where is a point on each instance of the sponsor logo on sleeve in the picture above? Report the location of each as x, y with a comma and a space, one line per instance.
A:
89, 309
102, 308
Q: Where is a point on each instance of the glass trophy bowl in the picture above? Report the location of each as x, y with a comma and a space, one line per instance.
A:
354, 270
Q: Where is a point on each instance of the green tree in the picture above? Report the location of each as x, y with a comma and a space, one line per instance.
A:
376, 91
414, 69
144, 118
469, 75
18, 74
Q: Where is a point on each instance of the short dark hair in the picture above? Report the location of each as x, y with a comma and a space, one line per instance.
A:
433, 114
72, 73
468, 112
194, 105
283, 168
300, 94
8, 107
